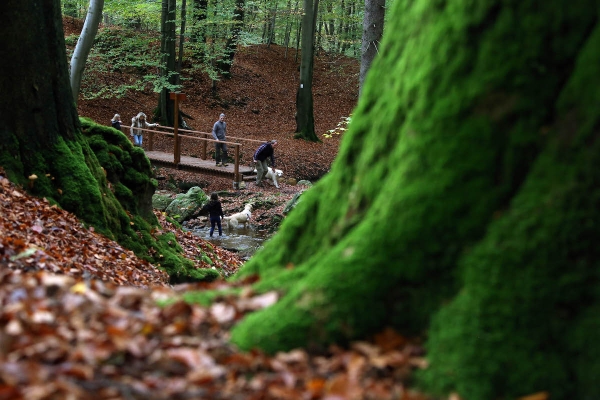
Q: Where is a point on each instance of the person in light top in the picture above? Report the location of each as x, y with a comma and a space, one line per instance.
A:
139, 121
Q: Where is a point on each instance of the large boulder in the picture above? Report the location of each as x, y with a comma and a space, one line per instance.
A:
187, 206
160, 201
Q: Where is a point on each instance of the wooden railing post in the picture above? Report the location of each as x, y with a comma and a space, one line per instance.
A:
236, 167
177, 150
151, 141
204, 145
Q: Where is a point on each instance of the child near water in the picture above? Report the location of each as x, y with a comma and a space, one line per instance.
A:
215, 212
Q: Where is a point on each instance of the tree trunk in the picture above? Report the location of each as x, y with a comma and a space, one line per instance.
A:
41, 132
305, 120
84, 44
225, 64
181, 41
166, 105
468, 177
198, 34
372, 32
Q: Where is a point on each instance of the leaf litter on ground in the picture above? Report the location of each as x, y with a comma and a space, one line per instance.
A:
81, 318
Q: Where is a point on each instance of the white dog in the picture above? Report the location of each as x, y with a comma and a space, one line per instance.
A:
242, 217
272, 174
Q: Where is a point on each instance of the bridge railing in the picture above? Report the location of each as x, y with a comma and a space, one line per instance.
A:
202, 138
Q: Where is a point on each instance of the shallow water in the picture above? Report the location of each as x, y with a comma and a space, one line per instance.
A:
244, 241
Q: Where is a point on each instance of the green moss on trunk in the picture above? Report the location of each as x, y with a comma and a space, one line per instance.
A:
456, 134
526, 318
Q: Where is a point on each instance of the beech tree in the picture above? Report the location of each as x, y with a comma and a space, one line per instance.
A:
372, 32
464, 202
166, 105
224, 64
305, 119
84, 44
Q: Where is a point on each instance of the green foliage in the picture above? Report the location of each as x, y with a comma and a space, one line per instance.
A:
71, 40
120, 50
134, 13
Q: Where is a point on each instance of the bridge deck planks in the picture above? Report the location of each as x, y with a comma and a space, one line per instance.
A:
194, 164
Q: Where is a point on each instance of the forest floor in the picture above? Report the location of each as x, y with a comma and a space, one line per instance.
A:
81, 317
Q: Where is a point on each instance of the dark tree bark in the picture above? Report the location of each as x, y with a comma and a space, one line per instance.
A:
305, 120
466, 193
372, 33
166, 106
45, 92
41, 133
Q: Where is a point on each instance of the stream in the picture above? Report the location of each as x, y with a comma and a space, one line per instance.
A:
243, 241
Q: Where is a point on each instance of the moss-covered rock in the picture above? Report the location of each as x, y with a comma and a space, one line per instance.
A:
161, 201
126, 167
188, 205
292, 203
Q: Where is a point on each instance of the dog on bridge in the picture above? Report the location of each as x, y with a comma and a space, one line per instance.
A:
272, 174
243, 217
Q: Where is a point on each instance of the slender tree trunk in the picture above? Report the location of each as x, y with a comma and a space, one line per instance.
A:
272, 26
372, 33
84, 44
181, 41
298, 37
288, 26
225, 64
166, 104
305, 121
198, 35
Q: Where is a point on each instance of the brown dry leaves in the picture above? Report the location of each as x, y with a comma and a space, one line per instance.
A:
81, 318
35, 235
67, 339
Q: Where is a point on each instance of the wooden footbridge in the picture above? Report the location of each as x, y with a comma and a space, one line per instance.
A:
187, 150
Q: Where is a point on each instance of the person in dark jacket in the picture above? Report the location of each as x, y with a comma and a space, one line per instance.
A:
215, 213
116, 122
261, 154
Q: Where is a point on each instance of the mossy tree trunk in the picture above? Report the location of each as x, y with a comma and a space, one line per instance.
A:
469, 175
40, 133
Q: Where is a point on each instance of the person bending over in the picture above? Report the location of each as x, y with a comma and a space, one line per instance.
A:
261, 155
